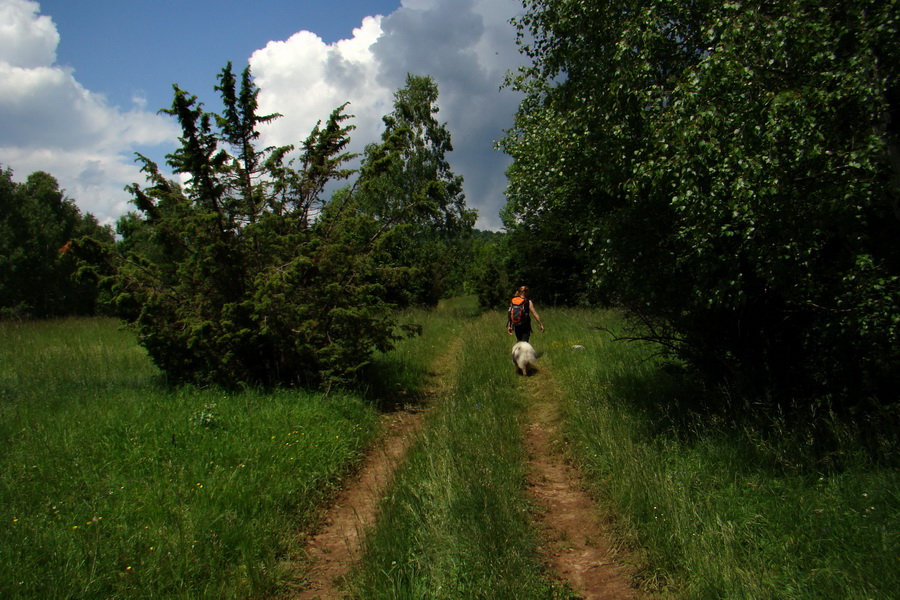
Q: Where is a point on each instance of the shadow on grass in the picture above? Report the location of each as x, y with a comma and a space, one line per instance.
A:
802, 436
391, 386
406, 377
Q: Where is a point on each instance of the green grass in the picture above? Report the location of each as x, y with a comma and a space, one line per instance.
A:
721, 508
401, 376
457, 523
117, 487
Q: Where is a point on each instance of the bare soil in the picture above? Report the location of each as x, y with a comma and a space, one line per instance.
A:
576, 537
332, 550
335, 546
576, 545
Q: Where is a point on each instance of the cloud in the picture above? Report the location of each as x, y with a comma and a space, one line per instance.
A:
52, 123
305, 79
467, 46
26, 39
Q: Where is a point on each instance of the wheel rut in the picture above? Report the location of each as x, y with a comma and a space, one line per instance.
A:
332, 549
574, 536
335, 546
576, 540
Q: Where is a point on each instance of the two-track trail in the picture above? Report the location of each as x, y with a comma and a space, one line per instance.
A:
576, 545
574, 541
331, 550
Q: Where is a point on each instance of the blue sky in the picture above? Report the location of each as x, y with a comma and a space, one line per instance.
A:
81, 82
123, 47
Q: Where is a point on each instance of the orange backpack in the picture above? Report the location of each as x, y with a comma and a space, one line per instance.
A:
518, 308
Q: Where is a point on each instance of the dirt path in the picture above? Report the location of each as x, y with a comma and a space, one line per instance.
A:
333, 549
576, 546
335, 546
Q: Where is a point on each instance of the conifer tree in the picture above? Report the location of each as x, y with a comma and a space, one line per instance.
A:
244, 275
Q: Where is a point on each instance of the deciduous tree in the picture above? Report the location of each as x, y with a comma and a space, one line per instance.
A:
38, 223
407, 185
733, 172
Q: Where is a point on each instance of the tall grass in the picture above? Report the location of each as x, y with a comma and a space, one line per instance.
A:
456, 524
115, 486
403, 375
723, 508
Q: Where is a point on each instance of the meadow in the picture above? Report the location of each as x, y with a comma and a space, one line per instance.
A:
116, 485
718, 506
703, 505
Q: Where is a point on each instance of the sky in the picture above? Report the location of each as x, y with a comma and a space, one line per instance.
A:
82, 82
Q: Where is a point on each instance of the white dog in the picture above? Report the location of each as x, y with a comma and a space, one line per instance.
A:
524, 357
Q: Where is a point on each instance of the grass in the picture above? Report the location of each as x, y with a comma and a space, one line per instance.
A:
401, 376
457, 523
721, 508
115, 486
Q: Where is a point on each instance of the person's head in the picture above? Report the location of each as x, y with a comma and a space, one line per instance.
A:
523, 291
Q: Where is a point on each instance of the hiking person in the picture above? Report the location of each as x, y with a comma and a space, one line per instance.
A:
518, 318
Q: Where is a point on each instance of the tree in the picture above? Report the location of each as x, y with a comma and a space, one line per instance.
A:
239, 277
488, 275
248, 274
406, 184
546, 254
38, 224
733, 172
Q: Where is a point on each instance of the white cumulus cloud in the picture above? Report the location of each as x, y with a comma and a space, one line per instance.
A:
26, 39
50, 122
304, 80
467, 46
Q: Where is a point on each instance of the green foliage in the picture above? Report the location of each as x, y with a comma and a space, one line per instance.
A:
38, 275
547, 262
407, 186
730, 174
249, 274
489, 277
549, 258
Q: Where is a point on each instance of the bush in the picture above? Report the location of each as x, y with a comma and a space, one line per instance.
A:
246, 275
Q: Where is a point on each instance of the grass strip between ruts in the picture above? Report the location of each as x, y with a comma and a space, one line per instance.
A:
457, 522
